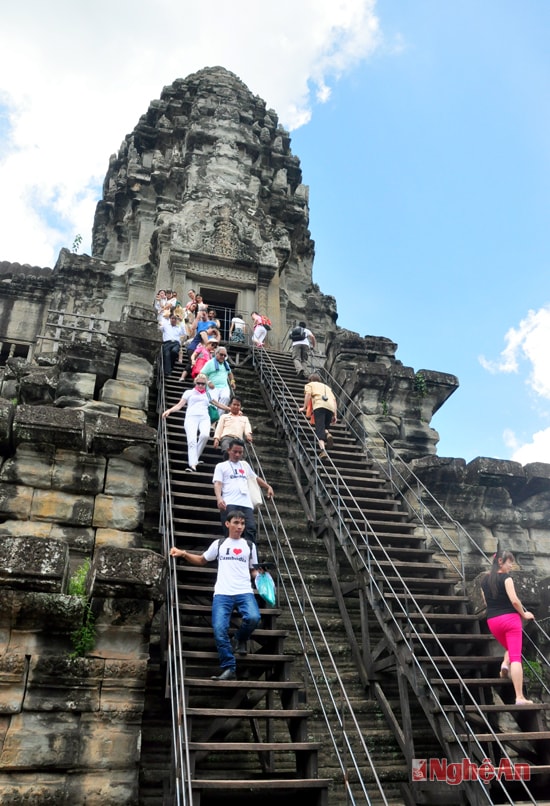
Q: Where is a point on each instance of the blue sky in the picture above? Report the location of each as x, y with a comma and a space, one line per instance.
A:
422, 129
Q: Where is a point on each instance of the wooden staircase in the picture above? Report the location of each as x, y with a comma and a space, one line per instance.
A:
433, 650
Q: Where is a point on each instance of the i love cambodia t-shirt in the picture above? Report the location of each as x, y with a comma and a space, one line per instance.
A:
234, 563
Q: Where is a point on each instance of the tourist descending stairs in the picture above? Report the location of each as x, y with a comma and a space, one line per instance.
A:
236, 740
433, 650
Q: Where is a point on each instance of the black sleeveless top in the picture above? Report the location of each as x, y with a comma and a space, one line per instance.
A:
500, 604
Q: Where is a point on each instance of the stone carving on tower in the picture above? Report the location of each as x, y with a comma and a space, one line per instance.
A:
206, 192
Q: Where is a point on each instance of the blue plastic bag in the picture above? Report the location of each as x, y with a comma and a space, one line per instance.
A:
266, 588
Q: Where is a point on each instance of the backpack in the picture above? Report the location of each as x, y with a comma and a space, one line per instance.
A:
297, 333
266, 322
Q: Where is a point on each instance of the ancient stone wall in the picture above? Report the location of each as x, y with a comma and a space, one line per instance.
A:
74, 477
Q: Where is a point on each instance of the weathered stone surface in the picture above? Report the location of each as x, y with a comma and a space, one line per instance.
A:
118, 539
79, 385
135, 415
13, 671
16, 500
136, 369
122, 628
117, 512
59, 683
63, 428
7, 412
125, 478
125, 393
37, 611
33, 563
54, 505
131, 573
78, 472
30, 466
109, 436
87, 359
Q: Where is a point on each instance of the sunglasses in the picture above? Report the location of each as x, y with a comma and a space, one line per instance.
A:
200, 384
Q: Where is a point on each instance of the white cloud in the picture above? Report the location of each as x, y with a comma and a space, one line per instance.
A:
538, 450
75, 78
528, 342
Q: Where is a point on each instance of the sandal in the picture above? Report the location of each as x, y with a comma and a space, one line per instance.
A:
504, 671
190, 470
522, 701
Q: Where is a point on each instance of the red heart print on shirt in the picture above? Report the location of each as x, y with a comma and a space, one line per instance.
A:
237, 551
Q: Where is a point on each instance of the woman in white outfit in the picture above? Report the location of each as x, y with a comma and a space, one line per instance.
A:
197, 419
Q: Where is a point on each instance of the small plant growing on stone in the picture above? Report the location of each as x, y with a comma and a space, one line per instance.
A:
83, 638
76, 243
420, 385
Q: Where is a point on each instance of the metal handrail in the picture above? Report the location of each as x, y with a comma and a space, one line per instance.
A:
180, 774
329, 488
302, 611
419, 493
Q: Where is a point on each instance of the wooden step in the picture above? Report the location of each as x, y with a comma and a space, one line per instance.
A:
251, 785
260, 747
258, 685
249, 713
515, 736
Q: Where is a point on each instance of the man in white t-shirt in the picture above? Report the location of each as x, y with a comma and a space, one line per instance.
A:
237, 559
231, 487
302, 339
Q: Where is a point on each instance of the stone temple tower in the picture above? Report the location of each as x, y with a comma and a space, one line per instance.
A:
205, 193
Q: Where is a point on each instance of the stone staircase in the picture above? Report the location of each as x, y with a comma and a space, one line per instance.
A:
415, 715
437, 632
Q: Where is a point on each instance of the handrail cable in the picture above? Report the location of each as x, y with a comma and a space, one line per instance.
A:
180, 774
329, 489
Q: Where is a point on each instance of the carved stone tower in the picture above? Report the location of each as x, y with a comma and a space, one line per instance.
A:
205, 193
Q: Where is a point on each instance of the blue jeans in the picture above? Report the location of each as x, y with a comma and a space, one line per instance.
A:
222, 608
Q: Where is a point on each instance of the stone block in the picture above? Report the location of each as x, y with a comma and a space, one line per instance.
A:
495, 473
33, 563
128, 573
7, 412
77, 385
50, 789
87, 359
125, 393
144, 341
116, 512
41, 740
122, 628
80, 539
37, 612
109, 437
30, 466
135, 368
125, 478
38, 425
26, 529
54, 505
78, 472
93, 408
116, 538
13, 671
108, 743
16, 500
59, 683
135, 415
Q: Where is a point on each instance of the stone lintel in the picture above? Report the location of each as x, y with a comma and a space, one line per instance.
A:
496, 473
